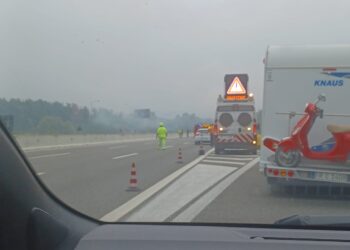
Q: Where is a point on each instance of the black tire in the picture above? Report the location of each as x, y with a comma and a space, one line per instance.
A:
292, 162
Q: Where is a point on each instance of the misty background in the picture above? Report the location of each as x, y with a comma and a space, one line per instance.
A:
42, 117
168, 56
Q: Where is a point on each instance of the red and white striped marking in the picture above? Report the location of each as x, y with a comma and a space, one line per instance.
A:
179, 156
133, 178
242, 137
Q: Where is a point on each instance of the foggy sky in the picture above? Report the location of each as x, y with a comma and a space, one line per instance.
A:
170, 56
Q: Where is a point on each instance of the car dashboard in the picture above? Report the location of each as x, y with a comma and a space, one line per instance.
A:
136, 236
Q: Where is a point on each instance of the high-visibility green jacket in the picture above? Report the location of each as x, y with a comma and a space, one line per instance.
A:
162, 132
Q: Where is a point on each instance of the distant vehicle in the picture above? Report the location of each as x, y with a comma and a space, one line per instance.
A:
202, 136
298, 147
235, 117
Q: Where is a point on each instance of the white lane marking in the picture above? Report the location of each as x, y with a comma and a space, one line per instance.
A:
130, 205
212, 165
225, 162
124, 156
234, 155
198, 206
40, 173
186, 143
116, 147
229, 158
49, 155
168, 147
180, 193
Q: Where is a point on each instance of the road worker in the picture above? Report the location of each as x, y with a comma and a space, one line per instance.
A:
162, 134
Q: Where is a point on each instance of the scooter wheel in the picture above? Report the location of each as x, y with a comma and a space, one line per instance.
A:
287, 159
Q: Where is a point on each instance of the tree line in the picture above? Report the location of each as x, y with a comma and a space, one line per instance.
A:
43, 117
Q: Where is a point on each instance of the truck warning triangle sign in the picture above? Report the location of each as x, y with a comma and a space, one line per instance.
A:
236, 87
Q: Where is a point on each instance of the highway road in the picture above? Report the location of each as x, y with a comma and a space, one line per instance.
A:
94, 179
209, 188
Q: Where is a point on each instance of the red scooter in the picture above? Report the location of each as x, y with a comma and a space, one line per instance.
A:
288, 151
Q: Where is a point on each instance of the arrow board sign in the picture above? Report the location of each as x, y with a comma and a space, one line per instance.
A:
236, 88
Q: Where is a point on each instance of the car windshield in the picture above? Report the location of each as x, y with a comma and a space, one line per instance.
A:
109, 100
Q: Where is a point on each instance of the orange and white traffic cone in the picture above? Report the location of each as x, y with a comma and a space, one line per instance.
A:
133, 179
179, 156
201, 149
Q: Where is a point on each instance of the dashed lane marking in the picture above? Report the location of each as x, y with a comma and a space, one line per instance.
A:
124, 156
49, 155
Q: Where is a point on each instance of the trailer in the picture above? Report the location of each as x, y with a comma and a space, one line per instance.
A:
295, 76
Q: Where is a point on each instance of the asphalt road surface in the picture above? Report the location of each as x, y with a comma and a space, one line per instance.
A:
250, 200
94, 179
207, 188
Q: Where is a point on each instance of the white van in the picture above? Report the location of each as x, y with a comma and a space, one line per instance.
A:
294, 76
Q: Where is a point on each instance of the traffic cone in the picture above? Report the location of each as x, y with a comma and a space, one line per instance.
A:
179, 156
133, 179
201, 150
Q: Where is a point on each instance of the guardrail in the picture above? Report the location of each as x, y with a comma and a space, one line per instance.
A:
31, 142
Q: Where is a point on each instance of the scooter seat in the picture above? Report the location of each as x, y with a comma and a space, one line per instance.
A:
338, 128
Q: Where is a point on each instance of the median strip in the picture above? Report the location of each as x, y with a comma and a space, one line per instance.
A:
180, 193
197, 207
130, 205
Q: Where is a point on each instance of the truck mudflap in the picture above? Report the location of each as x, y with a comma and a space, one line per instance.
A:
306, 176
